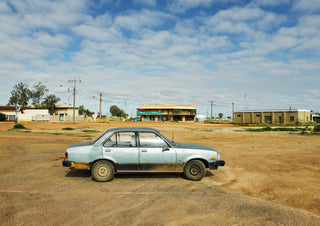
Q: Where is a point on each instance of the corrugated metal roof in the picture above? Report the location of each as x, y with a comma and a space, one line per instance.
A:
272, 110
167, 106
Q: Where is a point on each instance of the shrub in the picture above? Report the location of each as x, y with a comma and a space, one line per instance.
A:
317, 129
19, 126
2, 117
68, 128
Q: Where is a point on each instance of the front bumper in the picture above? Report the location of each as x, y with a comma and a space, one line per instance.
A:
216, 164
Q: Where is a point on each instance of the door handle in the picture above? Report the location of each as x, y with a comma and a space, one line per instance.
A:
144, 150
107, 150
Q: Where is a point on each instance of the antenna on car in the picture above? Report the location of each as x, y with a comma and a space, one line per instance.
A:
172, 135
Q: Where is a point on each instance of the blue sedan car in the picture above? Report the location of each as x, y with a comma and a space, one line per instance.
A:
126, 150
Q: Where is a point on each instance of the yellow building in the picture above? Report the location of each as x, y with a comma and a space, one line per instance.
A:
272, 116
166, 112
64, 112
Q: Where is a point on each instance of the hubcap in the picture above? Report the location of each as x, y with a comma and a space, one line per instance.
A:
194, 170
102, 171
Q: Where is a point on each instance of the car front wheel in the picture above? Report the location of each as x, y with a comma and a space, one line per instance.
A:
194, 170
102, 171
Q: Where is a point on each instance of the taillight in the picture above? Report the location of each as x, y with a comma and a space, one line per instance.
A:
66, 155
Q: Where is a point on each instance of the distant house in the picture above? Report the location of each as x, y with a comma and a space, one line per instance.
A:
272, 116
10, 112
315, 117
166, 112
64, 112
24, 113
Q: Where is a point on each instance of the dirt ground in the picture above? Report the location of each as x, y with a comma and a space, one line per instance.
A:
270, 178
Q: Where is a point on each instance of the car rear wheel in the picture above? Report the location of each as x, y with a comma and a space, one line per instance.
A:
194, 170
102, 171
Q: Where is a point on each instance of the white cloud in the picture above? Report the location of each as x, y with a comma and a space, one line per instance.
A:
180, 6
135, 20
155, 56
244, 20
312, 6
4, 8
58, 40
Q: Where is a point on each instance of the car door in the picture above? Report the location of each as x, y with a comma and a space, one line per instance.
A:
121, 148
153, 155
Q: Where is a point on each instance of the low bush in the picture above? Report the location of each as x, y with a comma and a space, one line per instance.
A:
268, 128
68, 128
19, 126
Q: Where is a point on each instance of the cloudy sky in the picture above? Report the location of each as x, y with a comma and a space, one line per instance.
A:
259, 54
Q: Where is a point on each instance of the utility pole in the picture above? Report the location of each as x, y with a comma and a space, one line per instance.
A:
211, 108
100, 105
74, 96
233, 112
245, 102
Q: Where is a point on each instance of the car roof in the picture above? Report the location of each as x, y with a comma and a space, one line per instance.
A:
132, 129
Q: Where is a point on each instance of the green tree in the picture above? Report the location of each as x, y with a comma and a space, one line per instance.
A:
220, 115
20, 95
82, 111
49, 102
117, 112
38, 93
3, 117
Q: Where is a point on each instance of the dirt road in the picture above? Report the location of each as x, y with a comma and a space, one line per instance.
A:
270, 178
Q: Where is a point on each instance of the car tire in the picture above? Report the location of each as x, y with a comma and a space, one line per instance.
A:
194, 170
102, 171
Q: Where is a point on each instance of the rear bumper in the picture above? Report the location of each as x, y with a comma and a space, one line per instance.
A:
66, 163
77, 165
216, 164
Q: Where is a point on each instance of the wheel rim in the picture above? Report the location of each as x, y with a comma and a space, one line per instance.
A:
195, 170
102, 171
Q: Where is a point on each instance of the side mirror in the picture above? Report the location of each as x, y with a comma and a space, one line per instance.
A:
165, 148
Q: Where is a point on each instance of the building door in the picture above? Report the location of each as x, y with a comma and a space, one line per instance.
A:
280, 119
61, 117
268, 119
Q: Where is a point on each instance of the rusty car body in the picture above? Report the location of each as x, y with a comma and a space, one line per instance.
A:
135, 149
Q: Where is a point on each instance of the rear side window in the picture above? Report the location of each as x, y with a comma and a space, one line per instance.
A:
123, 139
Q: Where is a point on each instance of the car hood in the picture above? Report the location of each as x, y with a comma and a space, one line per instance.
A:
193, 146
81, 144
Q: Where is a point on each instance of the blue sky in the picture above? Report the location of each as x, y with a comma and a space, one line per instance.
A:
264, 52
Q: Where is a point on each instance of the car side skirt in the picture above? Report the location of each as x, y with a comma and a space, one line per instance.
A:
149, 167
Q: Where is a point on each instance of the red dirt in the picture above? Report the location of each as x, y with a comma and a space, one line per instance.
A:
269, 178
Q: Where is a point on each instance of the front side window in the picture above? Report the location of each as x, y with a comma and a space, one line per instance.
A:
123, 139
151, 140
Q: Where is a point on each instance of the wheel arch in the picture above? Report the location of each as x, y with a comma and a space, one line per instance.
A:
205, 162
107, 160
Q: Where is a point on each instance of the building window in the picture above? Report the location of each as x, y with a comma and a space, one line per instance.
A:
257, 115
238, 116
291, 118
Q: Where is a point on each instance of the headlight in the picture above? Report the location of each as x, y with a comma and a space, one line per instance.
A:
218, 156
